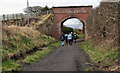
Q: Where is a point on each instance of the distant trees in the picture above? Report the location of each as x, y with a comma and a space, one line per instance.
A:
67, 30
36, 9
45, 8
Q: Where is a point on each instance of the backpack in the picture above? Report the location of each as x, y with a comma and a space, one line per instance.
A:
62, 37
69, 36
75, 36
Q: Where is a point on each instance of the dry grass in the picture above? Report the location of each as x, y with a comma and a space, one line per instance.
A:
43, 19
22, 30
20, 39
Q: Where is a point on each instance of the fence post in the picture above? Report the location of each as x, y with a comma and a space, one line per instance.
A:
19, 23
21, 15
21, 20
13, 17
16, 16
7, 17
3, 17
47, 12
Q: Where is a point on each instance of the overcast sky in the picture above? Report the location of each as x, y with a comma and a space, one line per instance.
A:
74, 23
17, 6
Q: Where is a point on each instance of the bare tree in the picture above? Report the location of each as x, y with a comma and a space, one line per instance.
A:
34, 9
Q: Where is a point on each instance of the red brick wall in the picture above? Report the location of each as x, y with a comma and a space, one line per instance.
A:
63, 13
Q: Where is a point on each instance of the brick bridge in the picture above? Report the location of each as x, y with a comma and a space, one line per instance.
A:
61, 14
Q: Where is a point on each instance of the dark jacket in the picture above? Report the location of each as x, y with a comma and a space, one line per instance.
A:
72, 36
62, 37
75, 36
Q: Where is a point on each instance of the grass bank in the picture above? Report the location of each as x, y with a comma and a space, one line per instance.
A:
19, 41
13, 65
104, 55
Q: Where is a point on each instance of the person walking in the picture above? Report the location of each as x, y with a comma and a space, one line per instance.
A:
66, 38
75, 37
62, 38
70, 38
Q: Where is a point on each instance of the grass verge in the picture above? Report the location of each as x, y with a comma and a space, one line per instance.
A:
12, 65
105, 57
41, 54
80, 36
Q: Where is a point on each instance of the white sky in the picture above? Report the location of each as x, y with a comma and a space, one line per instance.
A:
74, 23
17, 6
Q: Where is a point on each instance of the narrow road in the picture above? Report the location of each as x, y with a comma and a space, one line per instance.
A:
64, 58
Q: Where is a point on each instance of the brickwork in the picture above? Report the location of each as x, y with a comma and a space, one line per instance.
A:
63, 13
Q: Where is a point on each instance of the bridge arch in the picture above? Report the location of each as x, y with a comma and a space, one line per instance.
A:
63, 13
70, 17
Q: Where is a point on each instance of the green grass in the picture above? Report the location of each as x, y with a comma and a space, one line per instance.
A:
80, 36
16, 45
11, 65
17, 40
55, 44
23, 43
37, 56
47, 38
25, 40
41, 54
106, 57
89, 69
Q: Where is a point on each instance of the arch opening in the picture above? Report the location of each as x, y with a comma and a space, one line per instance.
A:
73, 23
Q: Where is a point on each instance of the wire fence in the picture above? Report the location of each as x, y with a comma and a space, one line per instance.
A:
21, 15
21, 19
13, 16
